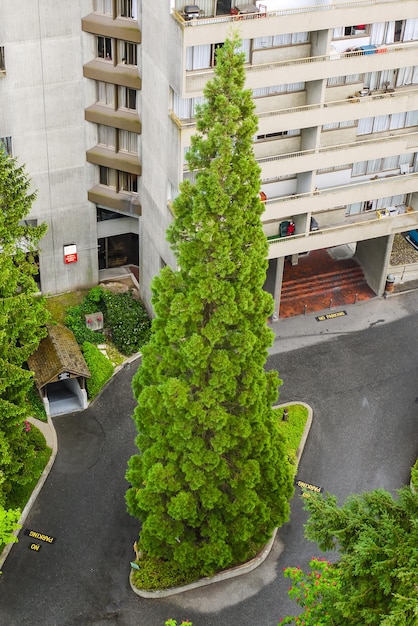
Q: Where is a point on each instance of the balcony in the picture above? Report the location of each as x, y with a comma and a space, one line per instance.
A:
337, 155
313, 68
319, 17
313, 202
117, 200
356, 228
118, 28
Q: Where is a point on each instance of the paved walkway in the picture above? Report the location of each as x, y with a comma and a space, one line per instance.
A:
358, 372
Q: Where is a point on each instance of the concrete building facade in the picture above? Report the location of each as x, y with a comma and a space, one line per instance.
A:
113, 86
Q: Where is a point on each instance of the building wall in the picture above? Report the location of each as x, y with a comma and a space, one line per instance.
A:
41, 108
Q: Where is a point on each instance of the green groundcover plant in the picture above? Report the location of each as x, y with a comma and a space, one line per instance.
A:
101, 369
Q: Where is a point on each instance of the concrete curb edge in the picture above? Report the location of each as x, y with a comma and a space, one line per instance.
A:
49, 432
50, 435
240, 569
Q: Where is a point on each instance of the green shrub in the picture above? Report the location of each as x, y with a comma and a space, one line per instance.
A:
101, 369
127, 320
19, 494
75, 317
414, 475
36, 405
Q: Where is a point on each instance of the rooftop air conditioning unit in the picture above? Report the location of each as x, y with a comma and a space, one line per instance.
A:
404, 168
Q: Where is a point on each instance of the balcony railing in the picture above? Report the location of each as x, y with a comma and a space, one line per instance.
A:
204, 21
363, 227
196, 79
411, 141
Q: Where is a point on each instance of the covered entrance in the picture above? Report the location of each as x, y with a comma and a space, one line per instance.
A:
322, 279
60, 372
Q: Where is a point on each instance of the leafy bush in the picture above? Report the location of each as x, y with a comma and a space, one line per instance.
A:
127, 320
101, 369
76, 321
414, 475
156, 574
19, 494
36, 405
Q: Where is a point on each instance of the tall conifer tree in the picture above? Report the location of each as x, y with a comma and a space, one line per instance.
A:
22, 321
212, 479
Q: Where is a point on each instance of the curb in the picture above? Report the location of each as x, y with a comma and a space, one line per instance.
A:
239, 570
50, 435
49, 432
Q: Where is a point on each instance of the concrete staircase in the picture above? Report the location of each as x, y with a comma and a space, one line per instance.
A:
339, 285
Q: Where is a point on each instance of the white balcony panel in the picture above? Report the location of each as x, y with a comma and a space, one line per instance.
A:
335, 156
339, 111
279, 208
312, 68
319, 17
344, 233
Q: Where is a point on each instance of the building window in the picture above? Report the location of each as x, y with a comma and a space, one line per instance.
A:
106, 136
6, 145
350, 31
103, 6
2, 62
128, 53
108, 177
127, 8
104, 48
128, 141
105, 93
127, 98
128, 182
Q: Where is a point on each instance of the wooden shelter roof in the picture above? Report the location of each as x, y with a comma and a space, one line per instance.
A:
57, 353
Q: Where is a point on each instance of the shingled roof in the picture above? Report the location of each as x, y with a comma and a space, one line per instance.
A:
57, 353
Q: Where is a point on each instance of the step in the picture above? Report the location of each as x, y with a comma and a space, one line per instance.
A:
320, 284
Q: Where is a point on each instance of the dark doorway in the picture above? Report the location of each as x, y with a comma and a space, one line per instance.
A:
223, 7
118, 250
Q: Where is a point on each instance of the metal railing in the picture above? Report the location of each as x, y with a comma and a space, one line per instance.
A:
331, 190
201, 76
343, 146
217, 19
374, 95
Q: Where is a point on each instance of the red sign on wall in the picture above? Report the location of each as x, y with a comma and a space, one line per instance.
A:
70, 254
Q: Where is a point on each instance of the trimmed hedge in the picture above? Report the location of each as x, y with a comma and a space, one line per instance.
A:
101, 369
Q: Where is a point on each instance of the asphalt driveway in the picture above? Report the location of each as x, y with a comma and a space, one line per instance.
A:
363, 387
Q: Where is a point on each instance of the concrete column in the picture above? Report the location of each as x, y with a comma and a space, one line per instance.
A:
278, 283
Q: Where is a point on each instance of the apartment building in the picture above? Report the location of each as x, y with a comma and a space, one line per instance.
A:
98, 100
335, 86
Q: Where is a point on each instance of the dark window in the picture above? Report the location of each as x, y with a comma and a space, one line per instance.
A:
104, 175
2, 63
104, 48
6, 144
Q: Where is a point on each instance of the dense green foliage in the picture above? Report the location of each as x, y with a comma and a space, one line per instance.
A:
414, 475
22, 324
212, 479
125, 319
8, 524
75, 317
101, 369
292, 428
375, 581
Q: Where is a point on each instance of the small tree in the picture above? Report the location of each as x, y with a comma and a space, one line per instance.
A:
22, 321
376, 580
212, 479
